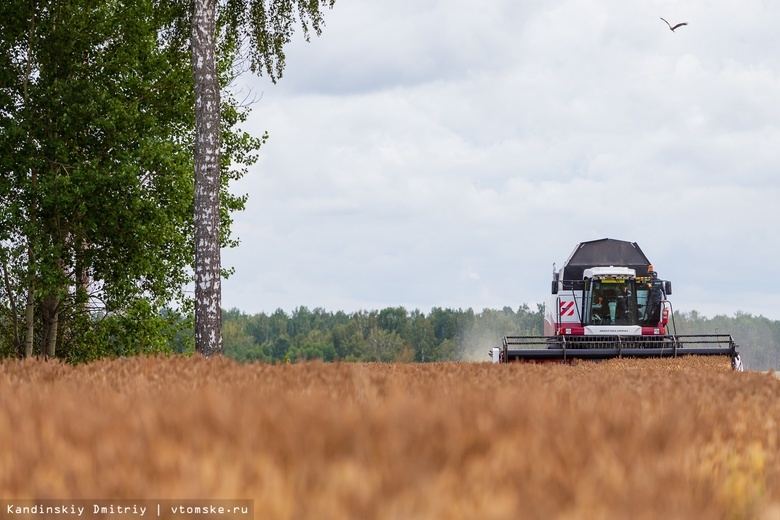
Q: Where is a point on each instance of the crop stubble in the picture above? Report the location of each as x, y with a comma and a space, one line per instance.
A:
673, 438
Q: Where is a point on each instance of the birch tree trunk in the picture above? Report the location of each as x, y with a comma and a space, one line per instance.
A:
208, 291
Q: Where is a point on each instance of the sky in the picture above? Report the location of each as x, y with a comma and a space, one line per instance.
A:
427, 153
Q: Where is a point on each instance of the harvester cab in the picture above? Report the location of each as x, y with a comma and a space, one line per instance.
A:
613, 297
607, 302
610, 297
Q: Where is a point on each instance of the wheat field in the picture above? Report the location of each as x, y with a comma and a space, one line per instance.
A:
673, 438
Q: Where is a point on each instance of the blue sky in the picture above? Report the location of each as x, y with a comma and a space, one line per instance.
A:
432, 154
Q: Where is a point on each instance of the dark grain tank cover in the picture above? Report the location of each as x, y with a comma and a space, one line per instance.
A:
604, 253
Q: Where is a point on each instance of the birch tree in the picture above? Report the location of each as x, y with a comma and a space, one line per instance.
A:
96, 187
208, 266
264, 27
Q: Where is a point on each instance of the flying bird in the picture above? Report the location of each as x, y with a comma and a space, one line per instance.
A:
676, 26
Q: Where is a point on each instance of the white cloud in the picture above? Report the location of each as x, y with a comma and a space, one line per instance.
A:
441, 154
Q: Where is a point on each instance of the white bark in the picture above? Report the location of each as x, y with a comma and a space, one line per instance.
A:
208, 290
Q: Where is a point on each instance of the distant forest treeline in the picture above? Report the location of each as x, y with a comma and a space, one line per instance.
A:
395, 334
389, 335
757, 336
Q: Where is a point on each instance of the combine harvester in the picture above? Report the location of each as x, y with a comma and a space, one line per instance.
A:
608, 302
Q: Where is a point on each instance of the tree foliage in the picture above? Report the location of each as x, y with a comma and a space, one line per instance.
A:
96, 189
264, 27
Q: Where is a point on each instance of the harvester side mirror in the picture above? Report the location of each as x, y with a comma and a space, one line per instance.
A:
555, 286
668, 287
